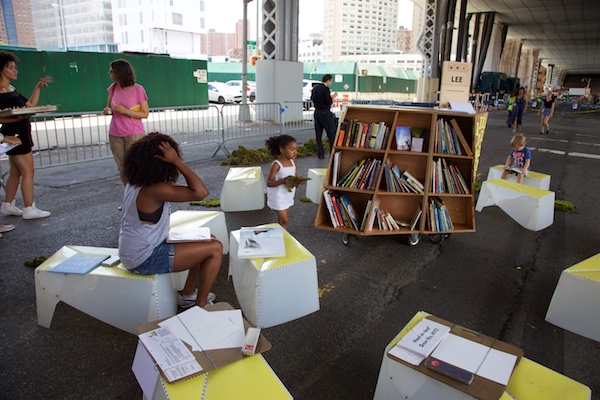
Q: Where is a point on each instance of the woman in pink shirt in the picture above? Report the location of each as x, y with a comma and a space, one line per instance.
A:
128, 104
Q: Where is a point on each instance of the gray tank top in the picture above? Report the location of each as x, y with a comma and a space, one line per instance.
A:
138, 240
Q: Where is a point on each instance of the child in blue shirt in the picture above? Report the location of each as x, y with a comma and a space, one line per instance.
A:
519, 159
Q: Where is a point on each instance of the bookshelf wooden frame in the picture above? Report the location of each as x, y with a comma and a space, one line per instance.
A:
461, 207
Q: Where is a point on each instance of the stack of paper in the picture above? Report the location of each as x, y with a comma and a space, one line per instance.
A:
420, 341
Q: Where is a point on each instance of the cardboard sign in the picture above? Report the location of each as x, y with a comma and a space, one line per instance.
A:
456, 82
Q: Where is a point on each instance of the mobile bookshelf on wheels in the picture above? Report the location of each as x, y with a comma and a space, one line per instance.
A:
402, 171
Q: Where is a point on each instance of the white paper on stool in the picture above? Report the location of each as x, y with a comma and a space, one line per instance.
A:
420, 341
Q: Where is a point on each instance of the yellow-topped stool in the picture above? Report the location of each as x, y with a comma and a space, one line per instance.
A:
111, 294
533, 179
314, 187
529, 380
243, 190
272, 291
531, 207
574, 305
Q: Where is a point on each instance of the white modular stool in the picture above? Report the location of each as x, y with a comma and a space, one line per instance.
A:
254, 380
314, 187
531, 207
243, 190
111, 294
533, 179
529, 380
272, 291
575, 302
215, 220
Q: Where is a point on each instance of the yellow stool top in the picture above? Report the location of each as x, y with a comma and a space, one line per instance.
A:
253, 378
589, 269
243, 173
182, 217
519, 187
67, 251
294, 252
531, 174
318, 171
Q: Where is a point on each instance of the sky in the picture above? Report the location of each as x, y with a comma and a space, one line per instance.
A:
311, 15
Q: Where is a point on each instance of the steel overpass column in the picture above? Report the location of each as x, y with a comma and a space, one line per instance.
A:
428, 44
280, 29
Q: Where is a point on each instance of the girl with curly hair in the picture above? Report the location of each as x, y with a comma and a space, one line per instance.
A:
151, 168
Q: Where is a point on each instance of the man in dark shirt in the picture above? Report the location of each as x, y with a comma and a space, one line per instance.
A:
322, 98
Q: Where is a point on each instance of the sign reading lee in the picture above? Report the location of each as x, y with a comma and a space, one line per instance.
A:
456, 82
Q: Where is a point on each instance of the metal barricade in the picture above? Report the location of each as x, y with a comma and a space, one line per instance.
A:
62, 138
256, 119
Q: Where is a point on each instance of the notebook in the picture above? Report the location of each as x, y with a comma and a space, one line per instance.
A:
80, 263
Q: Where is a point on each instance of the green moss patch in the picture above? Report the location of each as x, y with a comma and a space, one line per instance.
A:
305, 199
563, 205
212, 202
36, 262
244, 156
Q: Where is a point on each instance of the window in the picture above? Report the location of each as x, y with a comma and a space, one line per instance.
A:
177, 18
142, 36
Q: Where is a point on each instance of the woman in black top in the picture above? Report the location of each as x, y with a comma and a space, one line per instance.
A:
547, 112
21, 157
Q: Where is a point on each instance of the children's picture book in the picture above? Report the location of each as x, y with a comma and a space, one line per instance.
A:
514, 170
4, 147
79, 263
403, 137
187, 234
11, 112
261, 242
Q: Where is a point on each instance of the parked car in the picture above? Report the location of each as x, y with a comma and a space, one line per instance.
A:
250, 88
218, 92
307, 85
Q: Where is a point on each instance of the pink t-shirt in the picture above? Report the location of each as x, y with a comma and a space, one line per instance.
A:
121, 124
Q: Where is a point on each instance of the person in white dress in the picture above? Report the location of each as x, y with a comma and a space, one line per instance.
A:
280, 196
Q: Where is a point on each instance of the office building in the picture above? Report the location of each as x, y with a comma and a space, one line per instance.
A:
403, 40
353, 27
16, 23
161, 27
82, 25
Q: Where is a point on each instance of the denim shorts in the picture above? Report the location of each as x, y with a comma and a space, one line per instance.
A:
546, 112
159, 262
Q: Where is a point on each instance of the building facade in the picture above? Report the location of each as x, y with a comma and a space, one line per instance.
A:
81, 25
16, 23
354, 27
403, 40
160, 26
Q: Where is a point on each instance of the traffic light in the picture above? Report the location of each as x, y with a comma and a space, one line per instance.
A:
253, 60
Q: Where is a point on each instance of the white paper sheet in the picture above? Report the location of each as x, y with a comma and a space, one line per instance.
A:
462, 107
497, 366
461, 352
205, 330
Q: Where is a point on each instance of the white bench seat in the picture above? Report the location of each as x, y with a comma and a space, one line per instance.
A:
533, 179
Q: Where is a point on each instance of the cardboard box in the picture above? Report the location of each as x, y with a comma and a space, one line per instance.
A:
480, 388
212, 359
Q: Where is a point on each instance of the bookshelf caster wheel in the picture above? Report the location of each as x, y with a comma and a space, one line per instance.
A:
437, 238
345, 239
413, 239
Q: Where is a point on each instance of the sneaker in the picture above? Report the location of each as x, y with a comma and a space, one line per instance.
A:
190, 300
10, 209
6, 228
32, 212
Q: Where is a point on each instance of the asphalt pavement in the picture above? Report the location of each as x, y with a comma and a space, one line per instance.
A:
498, 280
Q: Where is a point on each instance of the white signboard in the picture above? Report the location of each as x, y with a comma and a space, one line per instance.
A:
456, 82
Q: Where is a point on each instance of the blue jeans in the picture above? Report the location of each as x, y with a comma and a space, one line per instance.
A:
159, 262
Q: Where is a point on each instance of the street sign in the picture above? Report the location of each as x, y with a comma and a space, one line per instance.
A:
251, 44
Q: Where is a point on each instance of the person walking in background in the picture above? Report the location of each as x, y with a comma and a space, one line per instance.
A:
515, 118
151, 167
279, 197
9, 140
547, 112
128, 104
21, 157
322, 98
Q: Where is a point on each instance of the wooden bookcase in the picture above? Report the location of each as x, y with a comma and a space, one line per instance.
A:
401, 205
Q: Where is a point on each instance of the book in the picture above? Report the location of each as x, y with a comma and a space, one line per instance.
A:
351, 210
415, 219
261, 242
417, 144
342, 134
173, 358
336, 167
79, 263
403, 138
11, 112
5, 147
372, 215
330, 208
182, 235
420, 341
514, 170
